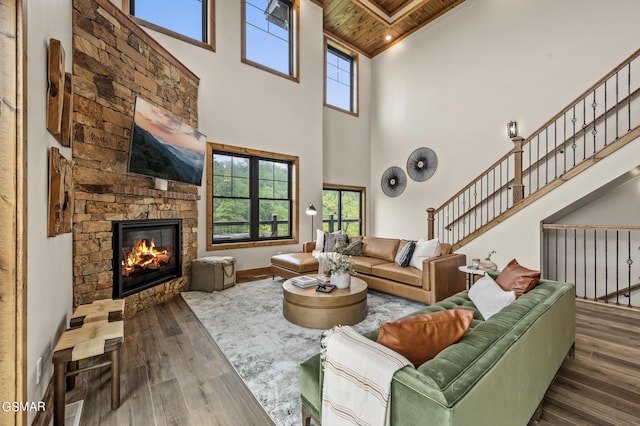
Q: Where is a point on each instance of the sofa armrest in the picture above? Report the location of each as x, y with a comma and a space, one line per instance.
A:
308, 246
442, 276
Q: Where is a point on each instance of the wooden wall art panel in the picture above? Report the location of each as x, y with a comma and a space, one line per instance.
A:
55, 92
66, 127
60, 193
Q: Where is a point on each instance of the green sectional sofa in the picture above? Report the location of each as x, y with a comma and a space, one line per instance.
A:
497, 374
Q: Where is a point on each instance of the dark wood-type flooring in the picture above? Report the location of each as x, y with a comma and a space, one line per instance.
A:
173, 373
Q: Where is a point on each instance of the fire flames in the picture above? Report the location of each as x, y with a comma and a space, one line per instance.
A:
144, 255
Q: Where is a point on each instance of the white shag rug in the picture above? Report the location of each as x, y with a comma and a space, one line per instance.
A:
246, 322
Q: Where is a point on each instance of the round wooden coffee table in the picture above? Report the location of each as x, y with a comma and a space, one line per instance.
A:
310, 308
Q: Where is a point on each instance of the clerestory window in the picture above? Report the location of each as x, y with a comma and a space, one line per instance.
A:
189, 20
269, 35
341, 71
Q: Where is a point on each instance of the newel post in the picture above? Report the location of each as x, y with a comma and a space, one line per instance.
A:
518, 187
430, 222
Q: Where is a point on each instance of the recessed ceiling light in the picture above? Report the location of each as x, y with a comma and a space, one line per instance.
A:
388, 37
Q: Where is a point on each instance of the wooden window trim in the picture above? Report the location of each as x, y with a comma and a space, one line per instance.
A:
356, 77
363, 191
211, 28
295, 161
296, 44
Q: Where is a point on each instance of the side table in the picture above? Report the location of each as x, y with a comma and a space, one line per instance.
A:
472, 274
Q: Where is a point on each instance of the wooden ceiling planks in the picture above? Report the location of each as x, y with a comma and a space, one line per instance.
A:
365, 29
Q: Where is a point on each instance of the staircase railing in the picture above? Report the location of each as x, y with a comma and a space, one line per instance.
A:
598, 122
602, 261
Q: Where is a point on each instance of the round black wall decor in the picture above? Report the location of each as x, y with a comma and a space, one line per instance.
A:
394, 181
422, 164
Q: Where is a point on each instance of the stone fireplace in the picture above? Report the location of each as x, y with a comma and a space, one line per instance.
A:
114, 61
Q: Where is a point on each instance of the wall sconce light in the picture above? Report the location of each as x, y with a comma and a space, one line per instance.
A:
512, 129
311, 211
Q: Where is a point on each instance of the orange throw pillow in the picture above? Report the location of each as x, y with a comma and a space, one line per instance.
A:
517, 278
421, 337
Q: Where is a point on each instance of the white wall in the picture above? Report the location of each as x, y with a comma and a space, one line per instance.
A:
49, 262
617, 206
241, 105
454, 85
347, 140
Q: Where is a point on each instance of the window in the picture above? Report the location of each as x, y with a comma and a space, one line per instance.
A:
188, 20
251, 197
343, 208
269, 35
340, 78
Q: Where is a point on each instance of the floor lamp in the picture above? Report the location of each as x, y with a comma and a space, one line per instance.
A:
311, 211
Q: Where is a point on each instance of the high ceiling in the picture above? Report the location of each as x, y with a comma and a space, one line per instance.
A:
371, 26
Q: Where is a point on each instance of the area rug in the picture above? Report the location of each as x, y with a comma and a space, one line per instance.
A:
265, 349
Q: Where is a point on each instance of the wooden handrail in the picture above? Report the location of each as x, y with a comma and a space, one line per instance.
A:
583, 95
591, 227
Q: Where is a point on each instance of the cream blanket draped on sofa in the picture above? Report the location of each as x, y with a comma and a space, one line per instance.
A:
357, 379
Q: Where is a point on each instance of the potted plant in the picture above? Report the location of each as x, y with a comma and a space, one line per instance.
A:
341, 270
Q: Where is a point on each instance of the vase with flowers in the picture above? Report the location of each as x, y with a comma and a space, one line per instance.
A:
487, 264
341, 270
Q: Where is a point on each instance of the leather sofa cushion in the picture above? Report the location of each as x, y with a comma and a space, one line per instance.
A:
380, 248
392, 271
421, 337
363, 264
298, 262
517, 278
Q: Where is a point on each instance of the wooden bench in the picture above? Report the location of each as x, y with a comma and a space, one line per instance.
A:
96, 329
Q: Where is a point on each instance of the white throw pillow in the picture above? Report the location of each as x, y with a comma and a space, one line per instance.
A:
424, 250
489, 298
319, 239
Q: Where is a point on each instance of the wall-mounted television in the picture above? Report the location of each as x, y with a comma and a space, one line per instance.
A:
164, 147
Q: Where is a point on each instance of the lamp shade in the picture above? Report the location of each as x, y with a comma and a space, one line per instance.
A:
512, 129
311, 210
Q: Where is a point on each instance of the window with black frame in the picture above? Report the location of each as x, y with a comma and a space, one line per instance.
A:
340, 79
343, 208
192, 19
268, 28
251, 197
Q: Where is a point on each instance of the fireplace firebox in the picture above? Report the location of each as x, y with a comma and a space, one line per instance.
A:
145, 253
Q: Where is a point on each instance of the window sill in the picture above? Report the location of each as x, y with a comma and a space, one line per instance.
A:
208, 46
355, 114
270, 70
251, 244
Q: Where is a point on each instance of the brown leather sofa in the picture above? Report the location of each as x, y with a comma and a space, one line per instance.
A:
439, 278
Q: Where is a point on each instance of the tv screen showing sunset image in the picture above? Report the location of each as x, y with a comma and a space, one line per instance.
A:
164, 147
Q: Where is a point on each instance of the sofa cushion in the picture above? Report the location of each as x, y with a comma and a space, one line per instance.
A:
403, 257
353, 249
392, 271
517, 278
380, 248
421, 337
363, 264
330, 240
320, 236
424, 250
298, 262
489, 297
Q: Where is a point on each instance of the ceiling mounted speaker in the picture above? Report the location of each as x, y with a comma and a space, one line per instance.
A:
394, 181
422, 164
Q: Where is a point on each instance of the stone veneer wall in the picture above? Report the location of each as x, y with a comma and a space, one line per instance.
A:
114, 61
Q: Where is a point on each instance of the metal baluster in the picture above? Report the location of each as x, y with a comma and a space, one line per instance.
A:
488, 198
584, 260
546, 151
606, 265
564, 143
617, 106
605, 112
475, 206
494, 192
555, 148
529, 188
629, 262
629, 110
537, 162
501, 183
594, 132
584, 128
617, 267
574, 120
565, 255
595, 265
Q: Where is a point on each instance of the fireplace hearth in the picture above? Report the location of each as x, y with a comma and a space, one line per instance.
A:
145, 253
